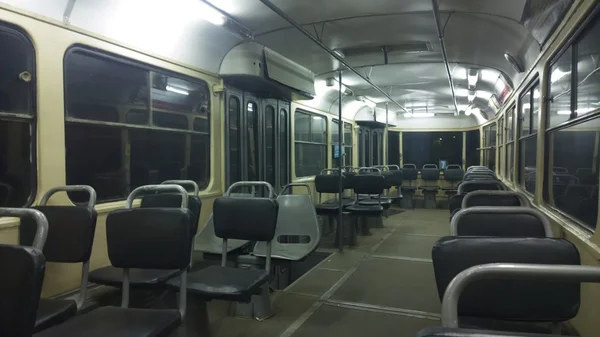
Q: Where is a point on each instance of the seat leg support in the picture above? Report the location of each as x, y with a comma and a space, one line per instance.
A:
430, 200
259, 307
407, 201
196, 321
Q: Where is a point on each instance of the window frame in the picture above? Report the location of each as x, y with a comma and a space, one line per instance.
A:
151, 70
348, 147
32, 117
325, 144
521, 139
509, 172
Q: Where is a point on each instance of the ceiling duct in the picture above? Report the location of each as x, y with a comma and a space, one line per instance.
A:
253, 67
402, 48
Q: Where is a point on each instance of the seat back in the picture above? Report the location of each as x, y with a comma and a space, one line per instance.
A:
453, 173
298, 232
410, 172
477, 185
520, 300
71, 228
371, 183
500, 221
430, 173
21, 284
171, 200
494, 198
328, 183
473, 175
455, 202
20, 288
397, 175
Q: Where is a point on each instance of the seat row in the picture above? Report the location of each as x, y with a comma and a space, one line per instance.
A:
137, 239
502, 273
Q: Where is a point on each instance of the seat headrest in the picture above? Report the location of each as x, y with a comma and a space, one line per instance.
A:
328, 183
521, 300
149, 238
453, 174
20, 288
71, 232
494, 198
253, 219
476, 185
371, 183
410, 173
500, 222
430, 173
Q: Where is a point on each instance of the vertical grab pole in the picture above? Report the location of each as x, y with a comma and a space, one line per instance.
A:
340, 231
387, 137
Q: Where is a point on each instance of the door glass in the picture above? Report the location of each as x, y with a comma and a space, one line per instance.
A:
367, 148
252, 141
283, 147
361, 147
375, 150
235, 173
270, 144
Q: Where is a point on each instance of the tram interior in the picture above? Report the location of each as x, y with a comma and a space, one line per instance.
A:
281, 168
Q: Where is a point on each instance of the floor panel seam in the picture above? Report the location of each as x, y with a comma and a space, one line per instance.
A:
384, 309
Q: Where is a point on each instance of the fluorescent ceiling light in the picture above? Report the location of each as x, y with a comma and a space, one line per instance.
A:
317, 117
419, 114
486, 95
563, 112
557, 74
463, 107
208, 13
471, 96
472, 78
583, 111
536, 93
476, 111
177, 90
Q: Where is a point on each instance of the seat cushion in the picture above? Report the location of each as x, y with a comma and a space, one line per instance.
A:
429, 188
52, 312
118, 322
112, 276
408, 188
324, 209
459, 332
365, 209
232, 284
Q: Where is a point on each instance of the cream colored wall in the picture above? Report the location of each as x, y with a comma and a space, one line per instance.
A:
51, 40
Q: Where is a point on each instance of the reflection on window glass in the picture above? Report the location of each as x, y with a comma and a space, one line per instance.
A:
252, 141
535, 107
375, 150
559, 102
525, 113
283, 147
270, 144
310, 144
510, 126
347, 144
96, 88
235, 173
472, 143
172, 94
588, 71
361, 148
15, 164
114, 160
422, 148
573, 182
509, 168
527, 163
17, 97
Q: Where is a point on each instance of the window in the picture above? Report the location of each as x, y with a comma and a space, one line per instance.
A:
310, 143
235, 138
509, 169
422, 148
574, 78
283, 147
573, 180
500, 141
573, 129
17, 118
270, 144
347, 142
489, 146
472, 145
528, 110
129, 125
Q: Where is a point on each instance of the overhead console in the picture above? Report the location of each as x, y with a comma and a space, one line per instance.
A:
253, 67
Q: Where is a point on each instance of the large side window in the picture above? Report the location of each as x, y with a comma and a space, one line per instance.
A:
129, 125
573, 129
528, 110
17, 118
310, 143
422, 148
489, 146
472, 143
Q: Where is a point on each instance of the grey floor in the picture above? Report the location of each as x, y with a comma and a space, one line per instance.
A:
383, 287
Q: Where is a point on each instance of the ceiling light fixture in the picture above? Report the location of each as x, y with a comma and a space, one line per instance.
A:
557, 74
177, 90
563, 112
471, 96
209, 13
472, 78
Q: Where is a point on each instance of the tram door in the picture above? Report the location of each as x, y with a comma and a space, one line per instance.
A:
370, 146
257, 137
